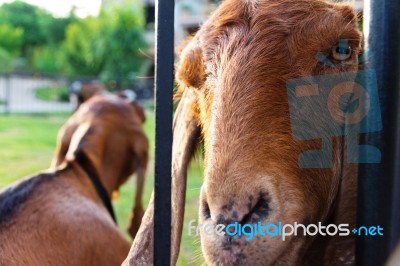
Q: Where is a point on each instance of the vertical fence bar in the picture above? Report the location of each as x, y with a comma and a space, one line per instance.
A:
378, 197
163, 154
7, 93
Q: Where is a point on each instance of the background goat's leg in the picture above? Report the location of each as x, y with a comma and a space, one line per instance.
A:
138, 210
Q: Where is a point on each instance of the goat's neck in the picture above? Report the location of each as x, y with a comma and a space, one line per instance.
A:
105, 175
108, 178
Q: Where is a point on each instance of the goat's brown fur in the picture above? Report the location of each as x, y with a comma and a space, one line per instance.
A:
57, 217
234, 72
84, 90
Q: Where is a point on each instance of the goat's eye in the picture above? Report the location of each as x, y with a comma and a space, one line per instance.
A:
341, 53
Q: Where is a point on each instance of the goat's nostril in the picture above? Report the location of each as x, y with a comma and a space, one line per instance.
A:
262, 207
231, 230
259, 211
206, 210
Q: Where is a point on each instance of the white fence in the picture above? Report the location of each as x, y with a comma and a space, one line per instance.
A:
17, 94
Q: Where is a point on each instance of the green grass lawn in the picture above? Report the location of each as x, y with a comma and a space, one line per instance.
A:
57, 93
27, 144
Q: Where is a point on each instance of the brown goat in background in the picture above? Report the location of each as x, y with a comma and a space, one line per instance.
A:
232, 78
67, 131
64, 216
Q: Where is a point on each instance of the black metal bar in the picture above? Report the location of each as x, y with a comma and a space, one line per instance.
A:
163, 154
379, 184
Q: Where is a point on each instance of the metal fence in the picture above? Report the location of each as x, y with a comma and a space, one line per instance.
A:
379, 184
20, 93
45, 93
164, 83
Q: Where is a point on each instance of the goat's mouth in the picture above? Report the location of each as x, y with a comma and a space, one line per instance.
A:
237, 250
245, 230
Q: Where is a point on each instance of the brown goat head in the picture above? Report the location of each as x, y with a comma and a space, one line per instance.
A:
236, 68
232, 76
102, 127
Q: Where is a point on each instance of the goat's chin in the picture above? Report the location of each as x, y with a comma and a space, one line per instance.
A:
258, 251
253, 245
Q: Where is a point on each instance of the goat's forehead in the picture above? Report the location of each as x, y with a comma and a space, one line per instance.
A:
275, 35
248, 59
269, 19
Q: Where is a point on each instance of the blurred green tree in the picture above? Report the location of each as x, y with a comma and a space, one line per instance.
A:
10, 45
49, 58
109, 46
37, 30
54, 29
27, 17
85, 47
11, 38
125, 43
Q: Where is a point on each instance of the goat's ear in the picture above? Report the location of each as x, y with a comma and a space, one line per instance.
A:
84, 144
185, 139
63, 141
191, 69
139, 110
130, 97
